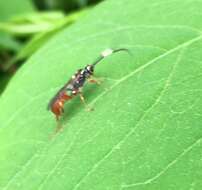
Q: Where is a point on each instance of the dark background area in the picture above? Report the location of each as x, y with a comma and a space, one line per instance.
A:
65, 5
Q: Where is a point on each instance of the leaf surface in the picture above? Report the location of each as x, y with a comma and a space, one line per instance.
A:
12, 8
145, 131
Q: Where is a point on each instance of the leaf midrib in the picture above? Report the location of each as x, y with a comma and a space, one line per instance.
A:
116, 83
155, 102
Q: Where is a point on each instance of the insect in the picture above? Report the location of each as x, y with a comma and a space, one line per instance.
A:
74, 86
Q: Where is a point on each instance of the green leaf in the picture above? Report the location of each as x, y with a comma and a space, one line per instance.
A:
8, 43
145, 131
7, 12
10, 8
32, 23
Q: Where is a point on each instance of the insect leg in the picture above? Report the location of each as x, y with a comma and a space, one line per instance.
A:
98, 81
94, 80
84, 102
62, 109
57, 118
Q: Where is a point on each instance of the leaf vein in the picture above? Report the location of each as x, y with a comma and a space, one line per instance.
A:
142, 67
164, 170
117, 146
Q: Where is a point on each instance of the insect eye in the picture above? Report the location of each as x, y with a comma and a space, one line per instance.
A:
90, 68
73, 92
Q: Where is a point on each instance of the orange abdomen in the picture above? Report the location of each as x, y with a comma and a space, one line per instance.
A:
57, 106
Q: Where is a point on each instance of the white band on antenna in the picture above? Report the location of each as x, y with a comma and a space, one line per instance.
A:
107, 52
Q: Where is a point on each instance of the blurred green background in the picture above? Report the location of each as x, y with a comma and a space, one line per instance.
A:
25, 25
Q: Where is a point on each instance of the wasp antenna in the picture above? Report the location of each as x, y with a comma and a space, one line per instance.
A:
108, 52
122, 49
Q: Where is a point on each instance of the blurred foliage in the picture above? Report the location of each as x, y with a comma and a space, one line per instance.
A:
11, 8
31, 23
25, 25
9, 46
65, 5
